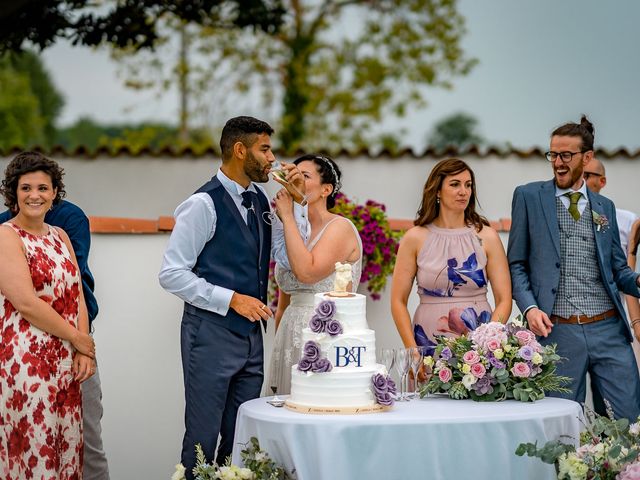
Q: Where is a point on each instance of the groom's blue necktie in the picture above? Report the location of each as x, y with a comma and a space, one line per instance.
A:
252, 218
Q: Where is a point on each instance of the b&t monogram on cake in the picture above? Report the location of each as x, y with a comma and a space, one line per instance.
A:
346, 356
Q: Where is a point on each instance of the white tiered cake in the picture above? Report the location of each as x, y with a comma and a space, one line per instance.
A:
338, 360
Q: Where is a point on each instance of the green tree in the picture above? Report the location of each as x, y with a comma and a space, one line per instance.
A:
335, 69
21, 123
122, 23
457, 130
50, 101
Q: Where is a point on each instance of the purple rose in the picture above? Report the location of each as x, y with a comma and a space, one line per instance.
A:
333, 327
380, 384
391, 386
326, 309
304, 365
385, 399
321, 365
311, 351
526, 352
316, 324
446, 353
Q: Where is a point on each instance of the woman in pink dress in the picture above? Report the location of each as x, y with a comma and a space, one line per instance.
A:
453, 254
46, 350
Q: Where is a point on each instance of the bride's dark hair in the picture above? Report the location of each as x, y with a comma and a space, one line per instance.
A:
329, 174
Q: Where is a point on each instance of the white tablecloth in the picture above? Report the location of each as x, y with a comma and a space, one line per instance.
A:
432, 438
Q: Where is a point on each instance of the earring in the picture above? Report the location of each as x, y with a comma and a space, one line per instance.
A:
438, 200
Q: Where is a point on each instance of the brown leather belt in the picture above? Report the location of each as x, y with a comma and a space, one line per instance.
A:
582, 319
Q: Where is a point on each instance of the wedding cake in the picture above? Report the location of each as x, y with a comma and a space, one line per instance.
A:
337, 372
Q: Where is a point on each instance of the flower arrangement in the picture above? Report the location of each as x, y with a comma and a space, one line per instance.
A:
494, 362
379, 245
258, 466
600, 220
609, 449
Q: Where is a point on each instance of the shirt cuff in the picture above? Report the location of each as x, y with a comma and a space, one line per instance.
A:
524, 314
220, 300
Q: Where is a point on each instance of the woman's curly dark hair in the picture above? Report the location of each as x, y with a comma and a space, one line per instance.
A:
28, 162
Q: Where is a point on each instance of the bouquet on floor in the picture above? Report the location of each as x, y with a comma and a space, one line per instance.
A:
258, 466
609, 449
492, 363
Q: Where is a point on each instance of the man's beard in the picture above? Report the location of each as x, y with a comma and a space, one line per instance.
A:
576, 175
254, 170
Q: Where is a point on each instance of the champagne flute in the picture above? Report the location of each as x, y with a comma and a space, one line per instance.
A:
281, 174
387, 358
416, 355
401, 364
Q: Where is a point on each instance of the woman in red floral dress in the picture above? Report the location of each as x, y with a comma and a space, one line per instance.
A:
45, 351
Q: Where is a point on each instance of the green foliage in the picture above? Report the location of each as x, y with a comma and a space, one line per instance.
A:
607, 447
334, 85
42, 23
92, 135
457, 130
29, 102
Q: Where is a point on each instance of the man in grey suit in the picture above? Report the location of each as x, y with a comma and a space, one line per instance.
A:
567, 268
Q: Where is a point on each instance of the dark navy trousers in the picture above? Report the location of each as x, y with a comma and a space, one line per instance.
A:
222, 369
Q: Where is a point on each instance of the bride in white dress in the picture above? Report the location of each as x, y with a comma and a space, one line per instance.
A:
333, 239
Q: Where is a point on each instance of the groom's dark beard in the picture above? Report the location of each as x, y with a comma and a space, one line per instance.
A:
254, 170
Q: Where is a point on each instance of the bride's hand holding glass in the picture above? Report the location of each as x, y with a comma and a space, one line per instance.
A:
288, 175
284, 204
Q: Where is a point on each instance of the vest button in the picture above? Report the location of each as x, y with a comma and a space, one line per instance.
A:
553, 290
557, 264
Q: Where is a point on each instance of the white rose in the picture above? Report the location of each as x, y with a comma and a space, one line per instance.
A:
226, 473
634, 428
179, 473
246, 474
468, 380
536, 359
261, 456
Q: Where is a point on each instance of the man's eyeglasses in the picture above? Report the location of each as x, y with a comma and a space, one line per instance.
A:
591, 174
564, 156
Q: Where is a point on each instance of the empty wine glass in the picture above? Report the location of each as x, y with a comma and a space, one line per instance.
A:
416, 355
401, 365
386, 358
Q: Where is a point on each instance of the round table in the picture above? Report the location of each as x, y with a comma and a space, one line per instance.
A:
435, 438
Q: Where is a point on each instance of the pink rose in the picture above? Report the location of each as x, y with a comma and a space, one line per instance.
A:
471, 357
520, 369
525, 337
493, 345
478, 370
445, 375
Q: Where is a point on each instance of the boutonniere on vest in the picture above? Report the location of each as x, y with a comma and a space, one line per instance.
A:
600, 220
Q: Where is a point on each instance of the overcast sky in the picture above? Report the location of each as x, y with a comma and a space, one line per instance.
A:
541, 63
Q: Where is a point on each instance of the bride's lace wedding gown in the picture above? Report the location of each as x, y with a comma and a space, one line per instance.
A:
288, 340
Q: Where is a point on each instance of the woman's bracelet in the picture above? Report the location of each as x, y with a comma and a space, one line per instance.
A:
634, 321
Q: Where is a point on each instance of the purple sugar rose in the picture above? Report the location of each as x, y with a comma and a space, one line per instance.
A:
326, 309
333, 327
311, 351
380, 384
385, 399
304, 365
316, 324
321, 365
391, 386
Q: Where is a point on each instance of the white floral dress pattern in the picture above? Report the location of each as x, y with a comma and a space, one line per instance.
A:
40, 402
288, 340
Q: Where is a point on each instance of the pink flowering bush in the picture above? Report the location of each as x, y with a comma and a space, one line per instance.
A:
494, 362
379, 245
609, 450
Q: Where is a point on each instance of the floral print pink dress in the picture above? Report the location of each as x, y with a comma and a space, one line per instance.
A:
452, 285
40, 402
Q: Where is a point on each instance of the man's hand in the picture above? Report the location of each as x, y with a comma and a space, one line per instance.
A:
636, 330
539, 322
249, 307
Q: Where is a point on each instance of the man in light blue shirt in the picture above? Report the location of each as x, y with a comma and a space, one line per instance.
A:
217, 262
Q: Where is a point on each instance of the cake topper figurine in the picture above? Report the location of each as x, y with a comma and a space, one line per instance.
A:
342, 280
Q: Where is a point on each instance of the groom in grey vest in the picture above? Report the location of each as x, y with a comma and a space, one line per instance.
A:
567, 269
217, 261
